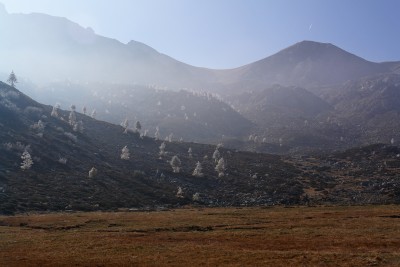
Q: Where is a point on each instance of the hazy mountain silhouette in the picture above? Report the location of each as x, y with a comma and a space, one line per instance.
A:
44, 48
307, 64
315, 104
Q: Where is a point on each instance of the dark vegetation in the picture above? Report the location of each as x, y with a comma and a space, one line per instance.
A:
147, 181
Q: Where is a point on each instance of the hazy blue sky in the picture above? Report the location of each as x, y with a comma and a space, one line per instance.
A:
231, 33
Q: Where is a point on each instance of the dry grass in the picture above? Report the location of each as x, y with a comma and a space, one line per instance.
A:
301, 236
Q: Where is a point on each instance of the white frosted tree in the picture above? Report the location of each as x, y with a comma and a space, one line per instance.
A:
175, 164
220, 168
125, 153
162, 149
138, 127
179, 193
54, 112
125, 124
84, 110
27, 161
392, 141
197, 171
157, 133
169, 138
190, 152
216, 155
196, 196
72, 116
94, 114
92, 172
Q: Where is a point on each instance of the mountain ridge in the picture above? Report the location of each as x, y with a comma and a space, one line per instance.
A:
102, 58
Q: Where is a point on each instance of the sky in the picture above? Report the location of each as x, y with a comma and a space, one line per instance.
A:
230, 33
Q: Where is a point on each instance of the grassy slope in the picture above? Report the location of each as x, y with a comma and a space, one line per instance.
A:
309, 236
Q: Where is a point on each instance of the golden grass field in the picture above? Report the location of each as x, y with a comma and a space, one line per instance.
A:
278, 236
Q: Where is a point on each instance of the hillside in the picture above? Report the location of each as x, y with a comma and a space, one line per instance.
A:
59, 177
63, 155
199, 117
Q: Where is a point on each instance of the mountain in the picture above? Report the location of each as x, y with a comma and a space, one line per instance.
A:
44, 49
61, 177
63, 155
307, 64
193, 116
304, 97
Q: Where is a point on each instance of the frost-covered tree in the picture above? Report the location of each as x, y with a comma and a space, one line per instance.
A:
170, 137
157, 133
197, 171
190, 152
144, 134
220, 168
138, 126
26, 161
54, 112
175, 164
84, 110
125, 153
196, 196
38, 127
94, 114
62, 160
392, 141
12, 79
179, 193
162, 149
78, 127
92, 172
125, 124
216, 155
72, 116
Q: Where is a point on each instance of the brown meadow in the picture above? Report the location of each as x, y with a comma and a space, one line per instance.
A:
278, 236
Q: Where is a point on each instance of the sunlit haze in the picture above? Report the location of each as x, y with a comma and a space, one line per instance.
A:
231, 33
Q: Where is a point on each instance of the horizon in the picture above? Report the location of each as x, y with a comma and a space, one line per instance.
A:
229, 34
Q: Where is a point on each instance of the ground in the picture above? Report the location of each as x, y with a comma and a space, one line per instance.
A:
261, 236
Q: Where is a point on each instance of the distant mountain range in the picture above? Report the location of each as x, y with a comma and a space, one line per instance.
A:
308, 96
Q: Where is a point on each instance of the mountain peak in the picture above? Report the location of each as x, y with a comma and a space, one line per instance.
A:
308, 48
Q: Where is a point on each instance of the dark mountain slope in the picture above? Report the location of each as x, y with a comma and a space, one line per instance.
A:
59, 177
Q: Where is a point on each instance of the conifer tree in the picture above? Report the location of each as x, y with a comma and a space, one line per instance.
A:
12, 79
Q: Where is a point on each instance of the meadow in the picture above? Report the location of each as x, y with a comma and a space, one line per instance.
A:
196, 236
